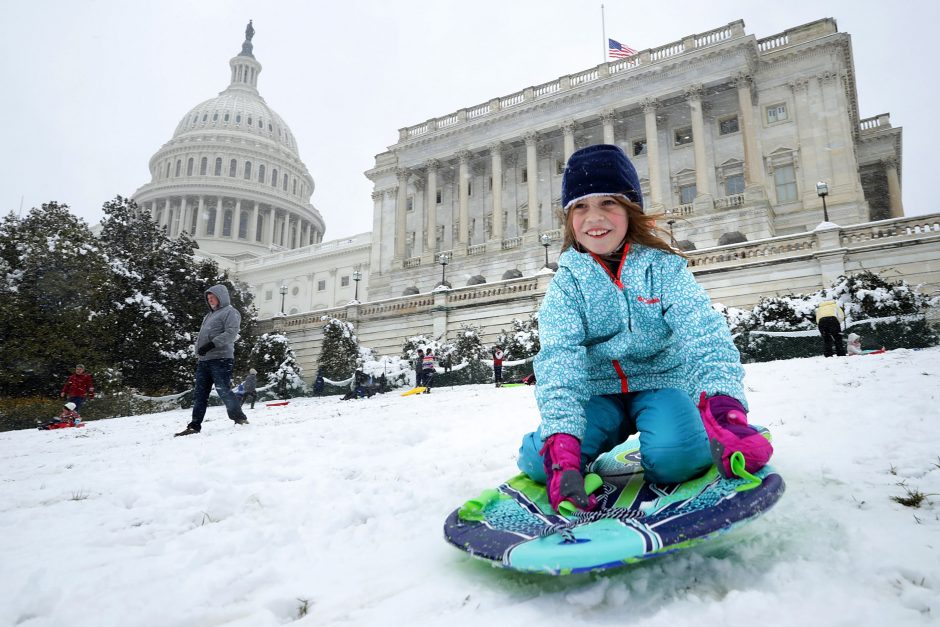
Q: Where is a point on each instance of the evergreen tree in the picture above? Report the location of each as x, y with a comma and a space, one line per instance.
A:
340, 352
276, 364
54, 280
521, 340
468, 346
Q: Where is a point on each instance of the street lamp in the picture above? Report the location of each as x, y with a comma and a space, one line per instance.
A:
357, 276
671, 236
283, 294
442, 259
546, 241
822, 190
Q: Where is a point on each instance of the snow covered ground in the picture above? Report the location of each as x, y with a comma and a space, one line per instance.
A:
336, 508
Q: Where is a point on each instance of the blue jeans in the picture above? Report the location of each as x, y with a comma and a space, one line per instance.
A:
673, 443
216, 372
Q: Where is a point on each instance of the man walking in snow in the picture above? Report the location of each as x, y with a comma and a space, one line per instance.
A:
215, 347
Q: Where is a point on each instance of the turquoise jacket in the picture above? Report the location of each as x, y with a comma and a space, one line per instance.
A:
650, 327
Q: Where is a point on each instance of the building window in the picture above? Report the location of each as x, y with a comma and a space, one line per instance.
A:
686, 194
776, 113
734, 185
295, 291
205, 116
225, 119
410, 204
259, 227
243, 225
261, 173
639, 147
682, 136
344, 281
469, 188
727, 126
232, 167
168, 165
525, 175
215, 117
247, 170
490, 183
249, 120
218, 166
227, 224
274, 177
203, 166
321, 285
268, 294
559, 167
438, 197
210, 222
238, 118
189, 167
179, 166
295, 187
284, 186
785, 181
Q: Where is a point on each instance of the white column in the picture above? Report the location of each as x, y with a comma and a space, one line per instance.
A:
431, 208
463, 234
753, 163
532, 181
496, 156
703, 179
567, 129
401, 208
895, 205
253, 225
607, 121
650, 105
184, 215
237, 219
375, 254
270, 226
202, 221
153, 210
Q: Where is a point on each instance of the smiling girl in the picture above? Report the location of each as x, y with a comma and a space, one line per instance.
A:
629, 344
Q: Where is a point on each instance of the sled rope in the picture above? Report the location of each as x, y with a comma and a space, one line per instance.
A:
565, 529
738, 468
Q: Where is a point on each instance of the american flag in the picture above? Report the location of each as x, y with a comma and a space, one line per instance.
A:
618, 51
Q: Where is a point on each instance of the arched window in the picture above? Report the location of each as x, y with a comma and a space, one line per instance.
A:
249, 120
274, 177
232, 167
260, 123
293, 237
210, 222
215, 117
243, 225
168, 164
261, 173
227, 223
179, 166
259, 226
203, 166
238, 118
295, 187
247, 170
285, 183
189, 167
270, 128
225, 119
205, 116
218, 166
193, 222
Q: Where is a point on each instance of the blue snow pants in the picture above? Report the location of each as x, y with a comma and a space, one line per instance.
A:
673, 443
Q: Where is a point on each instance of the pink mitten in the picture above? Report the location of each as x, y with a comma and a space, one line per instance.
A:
562, 455
725, 422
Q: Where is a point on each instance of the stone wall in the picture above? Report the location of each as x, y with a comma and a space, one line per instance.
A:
736, 275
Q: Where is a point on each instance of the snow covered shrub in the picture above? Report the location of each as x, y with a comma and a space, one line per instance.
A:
736, 319
867, 295
276, 364
340, 352
521, 340
782, 313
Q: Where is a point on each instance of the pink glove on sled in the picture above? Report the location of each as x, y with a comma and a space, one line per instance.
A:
725, 421
564, 481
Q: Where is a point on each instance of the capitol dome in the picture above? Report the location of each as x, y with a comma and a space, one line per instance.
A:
231, 175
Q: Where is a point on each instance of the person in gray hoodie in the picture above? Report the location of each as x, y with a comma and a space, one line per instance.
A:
215, 347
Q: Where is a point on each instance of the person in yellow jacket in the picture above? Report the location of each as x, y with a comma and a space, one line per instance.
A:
829, 318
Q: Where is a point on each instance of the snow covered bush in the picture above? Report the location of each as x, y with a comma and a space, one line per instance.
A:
521, 340
340, 353
276, 364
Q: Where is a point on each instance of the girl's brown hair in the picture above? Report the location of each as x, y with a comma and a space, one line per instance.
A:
641, 229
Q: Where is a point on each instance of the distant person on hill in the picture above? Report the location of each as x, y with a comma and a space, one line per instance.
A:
79, 387
318, 384
251, 388
427, 370
498, 366
419, 368
68, 417
215, 348
829, 318
854, 344
629, 345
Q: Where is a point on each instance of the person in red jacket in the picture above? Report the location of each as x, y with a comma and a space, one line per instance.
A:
498, 366
79, 387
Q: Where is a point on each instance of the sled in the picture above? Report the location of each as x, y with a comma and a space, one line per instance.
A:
60, 425
416, 390
276, 403
513, 385
513, 526
873, 351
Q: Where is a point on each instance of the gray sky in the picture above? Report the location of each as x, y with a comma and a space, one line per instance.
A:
92, 88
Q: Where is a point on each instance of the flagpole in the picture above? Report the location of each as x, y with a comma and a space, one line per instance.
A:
604, 37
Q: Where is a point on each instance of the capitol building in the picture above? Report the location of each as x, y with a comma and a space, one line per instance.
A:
753, 150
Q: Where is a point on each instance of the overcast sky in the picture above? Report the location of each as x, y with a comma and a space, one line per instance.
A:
92, 88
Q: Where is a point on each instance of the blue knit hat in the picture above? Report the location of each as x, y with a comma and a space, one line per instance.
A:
599, 170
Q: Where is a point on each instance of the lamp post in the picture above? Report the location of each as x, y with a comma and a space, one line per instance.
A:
671, 236
442, 259
357, 276
822, 190
283, 294
546, 241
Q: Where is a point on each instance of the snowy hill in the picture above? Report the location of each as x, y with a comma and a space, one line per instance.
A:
315, 506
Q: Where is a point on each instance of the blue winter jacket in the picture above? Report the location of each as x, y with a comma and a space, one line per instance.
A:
651, 327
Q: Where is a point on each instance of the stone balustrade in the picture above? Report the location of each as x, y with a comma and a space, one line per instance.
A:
734, 253
911, 227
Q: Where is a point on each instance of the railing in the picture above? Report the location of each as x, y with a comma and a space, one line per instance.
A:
713, 37
547, 88
584, 77
512, 242
406, 304
476, 249
511, 100
680, 210
411, 262
774, 41
669, 50
313, 249
773, 247
875, 122
421, 129
729, 202
448, 120
477, 111
501, 289
901, 227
